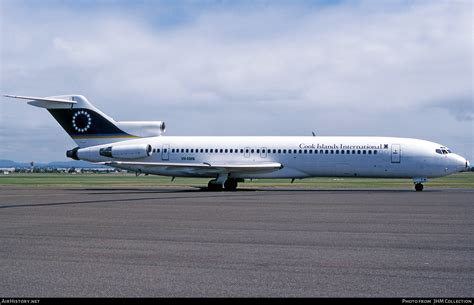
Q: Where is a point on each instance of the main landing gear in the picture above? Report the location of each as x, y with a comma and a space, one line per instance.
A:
229, 184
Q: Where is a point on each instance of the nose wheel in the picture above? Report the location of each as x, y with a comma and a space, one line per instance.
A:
418, 183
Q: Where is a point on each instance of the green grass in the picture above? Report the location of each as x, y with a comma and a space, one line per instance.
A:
460, 180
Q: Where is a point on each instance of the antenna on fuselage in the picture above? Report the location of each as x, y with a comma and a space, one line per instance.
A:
313, 133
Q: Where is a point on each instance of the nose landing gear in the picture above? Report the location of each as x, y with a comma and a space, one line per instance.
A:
418, 187
418, 183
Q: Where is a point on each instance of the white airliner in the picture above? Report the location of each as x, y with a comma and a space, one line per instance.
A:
140, 147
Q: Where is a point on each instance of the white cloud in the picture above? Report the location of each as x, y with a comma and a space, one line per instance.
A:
295, 64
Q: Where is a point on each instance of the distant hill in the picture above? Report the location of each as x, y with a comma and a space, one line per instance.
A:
54, 164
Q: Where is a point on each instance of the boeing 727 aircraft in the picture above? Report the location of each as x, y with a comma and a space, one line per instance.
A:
140, 147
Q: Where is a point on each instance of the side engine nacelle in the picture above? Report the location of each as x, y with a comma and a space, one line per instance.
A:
127, 151
97, 154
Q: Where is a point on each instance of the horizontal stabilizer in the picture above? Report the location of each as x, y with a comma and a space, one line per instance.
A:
41, 99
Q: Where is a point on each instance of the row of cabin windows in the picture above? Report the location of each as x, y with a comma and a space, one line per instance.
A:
269, 151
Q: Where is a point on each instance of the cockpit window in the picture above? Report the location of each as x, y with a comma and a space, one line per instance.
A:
443, 150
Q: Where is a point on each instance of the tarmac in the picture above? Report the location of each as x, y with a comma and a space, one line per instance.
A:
268, 242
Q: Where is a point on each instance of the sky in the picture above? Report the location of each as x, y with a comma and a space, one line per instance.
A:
338, 68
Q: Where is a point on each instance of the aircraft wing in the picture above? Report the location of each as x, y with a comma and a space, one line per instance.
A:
201, 168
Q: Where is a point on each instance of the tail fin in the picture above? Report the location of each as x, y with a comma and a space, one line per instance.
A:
84, 123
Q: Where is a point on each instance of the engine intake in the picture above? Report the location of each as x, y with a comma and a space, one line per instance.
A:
72, 153
143, 128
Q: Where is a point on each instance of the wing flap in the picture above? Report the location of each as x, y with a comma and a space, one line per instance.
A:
203, 167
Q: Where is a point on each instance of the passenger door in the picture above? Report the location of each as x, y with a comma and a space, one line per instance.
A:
396, 153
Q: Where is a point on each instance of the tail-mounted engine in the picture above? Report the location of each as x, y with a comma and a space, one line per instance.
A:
143, 129
127, 151
97, 154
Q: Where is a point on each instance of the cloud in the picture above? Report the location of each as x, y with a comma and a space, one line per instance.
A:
264, 61
462, 108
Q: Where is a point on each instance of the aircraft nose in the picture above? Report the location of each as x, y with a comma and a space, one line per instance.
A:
460, 163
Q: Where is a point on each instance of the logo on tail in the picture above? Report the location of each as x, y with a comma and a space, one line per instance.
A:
81, 121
